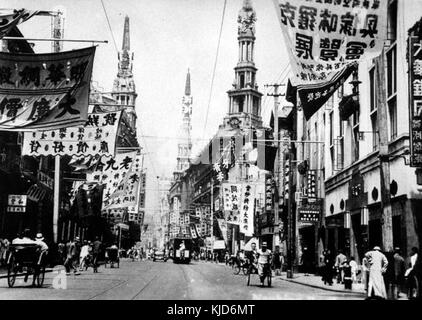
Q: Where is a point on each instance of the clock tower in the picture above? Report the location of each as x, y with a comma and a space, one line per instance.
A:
244, 97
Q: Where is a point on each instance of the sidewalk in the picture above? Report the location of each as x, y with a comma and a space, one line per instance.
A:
316, 282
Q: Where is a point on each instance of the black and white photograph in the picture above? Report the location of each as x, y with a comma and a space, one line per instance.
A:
228, 151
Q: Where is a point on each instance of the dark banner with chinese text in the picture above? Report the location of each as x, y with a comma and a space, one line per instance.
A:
415, 100
311, 211
45, 91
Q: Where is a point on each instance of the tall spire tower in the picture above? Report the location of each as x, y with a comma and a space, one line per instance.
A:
124, 90
185, 143
244, 98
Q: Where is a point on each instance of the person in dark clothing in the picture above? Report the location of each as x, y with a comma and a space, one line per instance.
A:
96, 251
328, 269
277, 261
399, 270
347, 275
389, 274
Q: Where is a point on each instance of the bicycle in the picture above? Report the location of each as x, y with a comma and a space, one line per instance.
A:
241, 265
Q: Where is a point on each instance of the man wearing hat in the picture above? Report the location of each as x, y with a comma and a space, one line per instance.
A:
39, 240
264, 262
378, 264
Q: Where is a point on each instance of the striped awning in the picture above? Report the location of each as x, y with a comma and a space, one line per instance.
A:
35, 193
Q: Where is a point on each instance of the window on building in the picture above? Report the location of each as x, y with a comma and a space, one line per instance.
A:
392, 21
331, 129
392, 110
392, 89
373, 109
372, 90
242, 80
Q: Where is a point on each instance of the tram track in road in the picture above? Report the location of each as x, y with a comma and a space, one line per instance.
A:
120, 283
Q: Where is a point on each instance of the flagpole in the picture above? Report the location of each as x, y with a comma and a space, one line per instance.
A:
55, 40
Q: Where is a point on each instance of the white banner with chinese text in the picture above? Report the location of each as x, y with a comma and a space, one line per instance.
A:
96, 137
323, 36
232, 194
247, 210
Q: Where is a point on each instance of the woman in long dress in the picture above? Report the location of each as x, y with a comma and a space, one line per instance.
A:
378, 264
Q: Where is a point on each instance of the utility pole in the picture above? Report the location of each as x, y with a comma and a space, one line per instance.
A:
277, 166
386, 217
57, 32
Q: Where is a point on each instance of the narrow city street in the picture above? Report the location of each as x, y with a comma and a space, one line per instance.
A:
149, 280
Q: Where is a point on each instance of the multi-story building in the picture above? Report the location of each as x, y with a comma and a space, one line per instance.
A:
361, 168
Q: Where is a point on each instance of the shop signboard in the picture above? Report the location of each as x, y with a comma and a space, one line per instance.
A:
415, 103
310, 211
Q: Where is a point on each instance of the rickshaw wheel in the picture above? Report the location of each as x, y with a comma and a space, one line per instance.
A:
269, 279
11, 273
236, 269
245, 271
40, 276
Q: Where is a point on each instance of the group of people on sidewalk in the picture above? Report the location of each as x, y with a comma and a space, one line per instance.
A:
383, 274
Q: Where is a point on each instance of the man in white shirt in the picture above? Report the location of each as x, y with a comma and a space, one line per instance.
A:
264, 262
23, 238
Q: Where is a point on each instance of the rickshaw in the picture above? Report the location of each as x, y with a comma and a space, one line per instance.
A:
253, 269
182, 250
27, 259
112, 257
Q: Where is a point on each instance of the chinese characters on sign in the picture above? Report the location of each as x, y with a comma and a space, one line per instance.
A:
16, 203
97, 136
44, 91
127, 192
269, 204
311, 211
325, 37
247, 210
232, 194
415, 103
113, 172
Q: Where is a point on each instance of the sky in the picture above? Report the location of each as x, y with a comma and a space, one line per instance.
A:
168, 37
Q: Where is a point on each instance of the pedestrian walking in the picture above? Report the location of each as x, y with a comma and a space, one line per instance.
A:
347, 275
389, 274
277, 258
72, 256
340, 259
354, 269
83, 255
329, 268
399, 270
378, 265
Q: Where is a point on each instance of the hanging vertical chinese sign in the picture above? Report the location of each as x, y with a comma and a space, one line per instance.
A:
44, 91
247, 209
232, 194
325, 39
415, 100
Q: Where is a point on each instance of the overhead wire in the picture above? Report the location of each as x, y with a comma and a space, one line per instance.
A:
214, 68
109, 26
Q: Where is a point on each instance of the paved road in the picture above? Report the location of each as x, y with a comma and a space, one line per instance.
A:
165, 281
